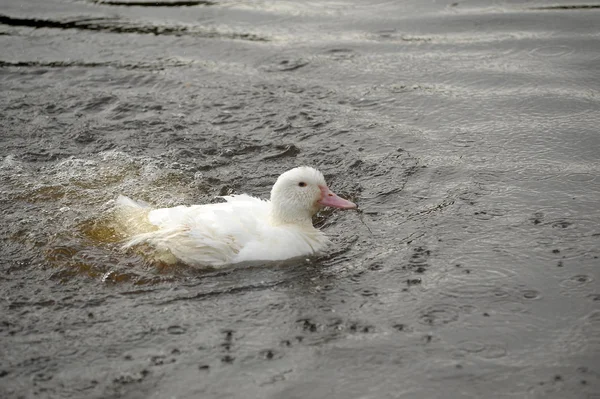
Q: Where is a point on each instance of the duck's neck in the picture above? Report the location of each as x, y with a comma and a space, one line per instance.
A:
281, 215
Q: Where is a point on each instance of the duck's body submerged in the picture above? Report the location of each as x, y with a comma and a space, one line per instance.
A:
244, 228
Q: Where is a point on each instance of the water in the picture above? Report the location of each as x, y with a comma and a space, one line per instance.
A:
467, 131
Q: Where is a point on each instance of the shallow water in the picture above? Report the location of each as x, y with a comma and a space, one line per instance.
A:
467, 131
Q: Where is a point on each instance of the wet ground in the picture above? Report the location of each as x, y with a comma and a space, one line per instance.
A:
467, 131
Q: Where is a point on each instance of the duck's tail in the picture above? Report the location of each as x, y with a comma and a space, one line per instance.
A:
132, 216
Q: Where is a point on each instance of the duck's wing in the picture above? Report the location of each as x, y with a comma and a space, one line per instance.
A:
207, 234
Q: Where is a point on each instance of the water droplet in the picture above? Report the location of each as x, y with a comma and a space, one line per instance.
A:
531, 294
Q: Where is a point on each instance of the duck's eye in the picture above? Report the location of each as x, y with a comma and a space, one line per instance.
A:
302, 184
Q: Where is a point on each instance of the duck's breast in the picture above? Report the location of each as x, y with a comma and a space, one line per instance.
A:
283, 242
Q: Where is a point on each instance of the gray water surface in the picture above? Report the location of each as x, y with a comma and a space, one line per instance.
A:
467, 132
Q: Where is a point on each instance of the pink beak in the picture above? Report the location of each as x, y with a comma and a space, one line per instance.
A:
329, 198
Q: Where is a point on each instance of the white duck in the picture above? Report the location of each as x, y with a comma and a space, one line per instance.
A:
244, 228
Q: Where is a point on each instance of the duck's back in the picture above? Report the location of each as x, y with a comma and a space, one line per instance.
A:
211, 234
241, 214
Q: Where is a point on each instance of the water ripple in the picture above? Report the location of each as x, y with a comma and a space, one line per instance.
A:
119, 25
154, 3
468, 278
552, 51
578, 284
439, 314
485, 350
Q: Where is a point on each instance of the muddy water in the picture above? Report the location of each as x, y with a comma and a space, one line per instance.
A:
467, 132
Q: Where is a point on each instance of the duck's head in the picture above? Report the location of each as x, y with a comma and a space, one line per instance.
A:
299, 193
